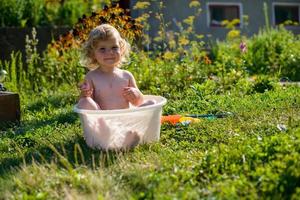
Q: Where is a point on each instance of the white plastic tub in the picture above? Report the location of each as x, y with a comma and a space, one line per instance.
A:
106, 129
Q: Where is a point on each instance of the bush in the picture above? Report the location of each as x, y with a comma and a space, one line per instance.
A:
31, 13
275, 52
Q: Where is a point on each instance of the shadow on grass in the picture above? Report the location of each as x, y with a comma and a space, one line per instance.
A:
43, 151
14, 129
23, 127
90, 158
56, 101
69, 117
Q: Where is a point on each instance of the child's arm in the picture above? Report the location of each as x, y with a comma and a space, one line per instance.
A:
132, 92
86, 89
86, 99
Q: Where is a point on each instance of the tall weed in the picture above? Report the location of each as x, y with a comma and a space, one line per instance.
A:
33, 62
14, 67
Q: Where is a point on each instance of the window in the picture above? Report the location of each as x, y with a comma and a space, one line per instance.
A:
287, 14
217, 13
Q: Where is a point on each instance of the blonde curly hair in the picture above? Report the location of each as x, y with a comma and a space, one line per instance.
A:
100, 33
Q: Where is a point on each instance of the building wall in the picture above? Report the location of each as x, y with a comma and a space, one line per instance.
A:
179, 10
13, 39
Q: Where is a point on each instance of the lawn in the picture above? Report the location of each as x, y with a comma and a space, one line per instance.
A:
254, 153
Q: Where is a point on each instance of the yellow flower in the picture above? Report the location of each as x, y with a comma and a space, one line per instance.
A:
157, 38
194, 4
233, 34
225, 22
189, 29
143, 18
230, 24
141, 5
235, 22
172, 44
183, 41
168, 55
199, 36
189, 20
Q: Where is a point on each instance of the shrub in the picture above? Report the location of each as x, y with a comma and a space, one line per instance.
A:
274, 52
45, 13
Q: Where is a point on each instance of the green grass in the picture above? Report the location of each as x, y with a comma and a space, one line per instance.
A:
241, 156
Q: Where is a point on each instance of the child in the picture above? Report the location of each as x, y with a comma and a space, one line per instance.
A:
106, 86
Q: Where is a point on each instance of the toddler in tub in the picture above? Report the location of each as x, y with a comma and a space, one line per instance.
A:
107, 87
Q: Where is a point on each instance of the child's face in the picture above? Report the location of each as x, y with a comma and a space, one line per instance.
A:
108, 53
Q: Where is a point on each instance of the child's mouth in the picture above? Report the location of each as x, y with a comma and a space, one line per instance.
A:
109, 58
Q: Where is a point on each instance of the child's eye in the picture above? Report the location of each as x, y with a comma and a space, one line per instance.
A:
101, 50
115, 48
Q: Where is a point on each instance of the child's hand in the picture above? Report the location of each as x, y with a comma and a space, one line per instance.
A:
86, 89
133, 95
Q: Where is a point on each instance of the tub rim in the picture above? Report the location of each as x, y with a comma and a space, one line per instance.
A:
162, 102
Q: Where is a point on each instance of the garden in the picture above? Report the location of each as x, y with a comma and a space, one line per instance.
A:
253, 152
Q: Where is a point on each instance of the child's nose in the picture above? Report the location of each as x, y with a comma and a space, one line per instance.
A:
110, 51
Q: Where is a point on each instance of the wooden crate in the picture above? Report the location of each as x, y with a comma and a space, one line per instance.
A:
9, 107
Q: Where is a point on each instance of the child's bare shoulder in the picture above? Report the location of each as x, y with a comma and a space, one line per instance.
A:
126, 74
91, 74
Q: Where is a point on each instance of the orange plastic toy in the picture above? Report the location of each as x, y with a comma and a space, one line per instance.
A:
191, 118
175, 119
172, 119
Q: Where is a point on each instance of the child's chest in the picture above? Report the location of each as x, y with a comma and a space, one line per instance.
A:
110, 86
